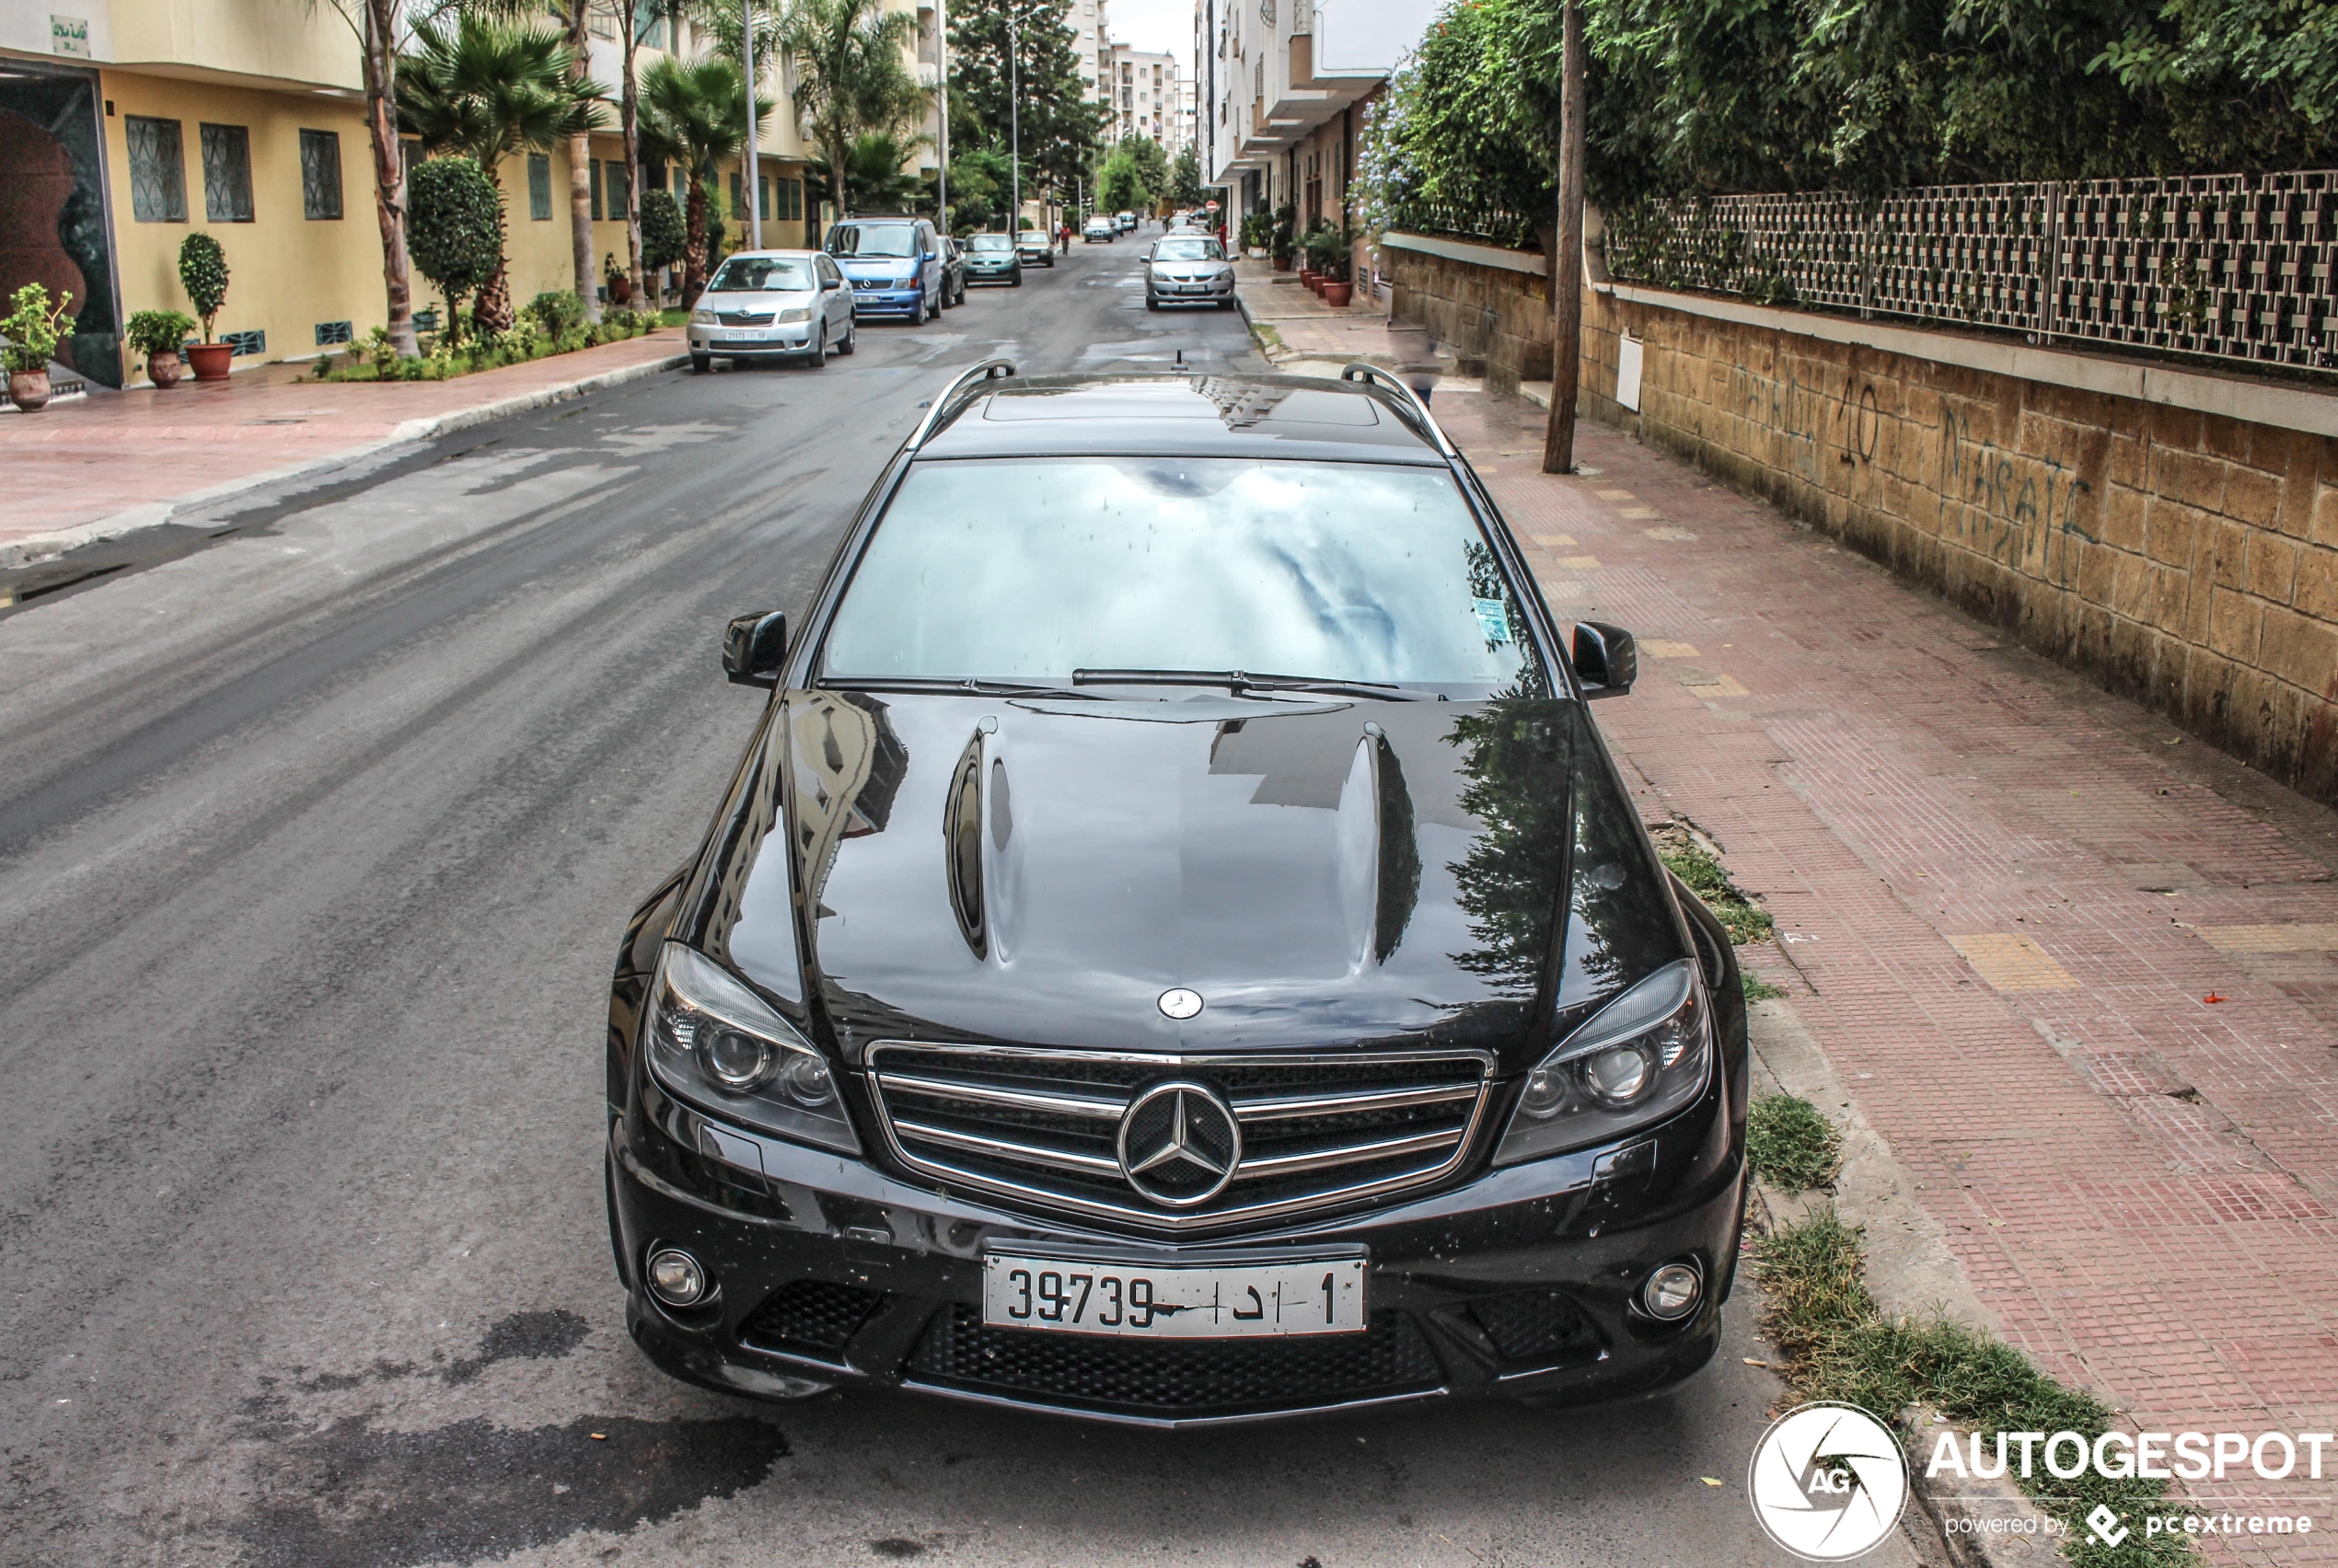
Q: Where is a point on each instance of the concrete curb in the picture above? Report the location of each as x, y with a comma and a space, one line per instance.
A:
44, 547
1910, 1272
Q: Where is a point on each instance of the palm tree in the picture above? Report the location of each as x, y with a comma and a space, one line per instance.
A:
873, 181
487, 89
849, 77
695, 116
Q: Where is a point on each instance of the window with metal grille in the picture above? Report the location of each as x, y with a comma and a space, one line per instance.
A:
596, 166
243, 344
320, 174
616, 185
539, 187
331, 332
157, 171
226, 174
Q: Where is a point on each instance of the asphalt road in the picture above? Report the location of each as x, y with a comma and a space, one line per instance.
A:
315, 845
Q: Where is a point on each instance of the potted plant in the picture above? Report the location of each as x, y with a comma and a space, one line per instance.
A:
202, 273
614, 278
1322, 247
159, 335
1281, 239
33, 327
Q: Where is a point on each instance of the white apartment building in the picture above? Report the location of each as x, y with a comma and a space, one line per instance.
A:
1281, 84
1148, 98
1091, 41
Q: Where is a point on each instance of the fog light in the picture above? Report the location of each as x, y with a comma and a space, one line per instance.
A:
676, 1278
1672, 1291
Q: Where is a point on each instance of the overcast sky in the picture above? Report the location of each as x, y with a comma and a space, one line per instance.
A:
1155, 27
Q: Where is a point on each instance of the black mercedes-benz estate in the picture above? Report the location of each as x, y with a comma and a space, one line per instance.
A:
1176, 948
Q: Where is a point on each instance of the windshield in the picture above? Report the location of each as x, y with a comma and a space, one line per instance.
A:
759, 274
1029, 570
873, 239
1188, 250
988, 242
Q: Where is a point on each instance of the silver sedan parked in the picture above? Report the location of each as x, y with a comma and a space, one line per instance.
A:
792, 305
1188, 269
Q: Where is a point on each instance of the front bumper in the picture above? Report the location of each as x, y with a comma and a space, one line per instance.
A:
830, 1271
746, 342
889, 301
992, 274
1209, 291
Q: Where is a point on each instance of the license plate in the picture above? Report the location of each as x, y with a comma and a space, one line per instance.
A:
737, 343
1322, 1295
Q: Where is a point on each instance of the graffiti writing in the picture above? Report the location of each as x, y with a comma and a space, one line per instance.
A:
2010, 504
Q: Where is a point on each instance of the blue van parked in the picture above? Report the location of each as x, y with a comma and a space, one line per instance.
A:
895, 265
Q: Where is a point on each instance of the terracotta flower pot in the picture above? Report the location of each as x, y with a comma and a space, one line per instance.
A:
1338, 295
164, 370
28, 389
210, 360
1282, 264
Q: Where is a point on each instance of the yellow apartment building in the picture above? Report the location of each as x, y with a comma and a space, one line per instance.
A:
130, 124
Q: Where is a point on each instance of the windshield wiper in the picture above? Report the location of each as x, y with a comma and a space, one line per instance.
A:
968, 687
1239, 680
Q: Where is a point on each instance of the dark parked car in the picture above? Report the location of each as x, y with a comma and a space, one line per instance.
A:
1064, 1011
953, 273
991, 258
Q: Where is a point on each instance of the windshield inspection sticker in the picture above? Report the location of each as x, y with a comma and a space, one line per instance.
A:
1493, 620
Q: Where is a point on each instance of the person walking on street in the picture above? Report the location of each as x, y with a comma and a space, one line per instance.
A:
1063, 235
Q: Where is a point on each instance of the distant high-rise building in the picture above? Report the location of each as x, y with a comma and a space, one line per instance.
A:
1148, 98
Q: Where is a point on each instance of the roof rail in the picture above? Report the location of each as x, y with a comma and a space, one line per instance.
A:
1360, 371
988, 370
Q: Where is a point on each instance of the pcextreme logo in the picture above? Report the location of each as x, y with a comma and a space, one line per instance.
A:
1827, 1482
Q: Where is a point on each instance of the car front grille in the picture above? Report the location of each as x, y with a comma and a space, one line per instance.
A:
811, 1315
743, 317
1043, 1126
1175, 1377
1538, 1325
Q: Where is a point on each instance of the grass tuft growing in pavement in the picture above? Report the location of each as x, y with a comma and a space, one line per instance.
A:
1837, 1344
1706, 878
1791, 1146
1757, 989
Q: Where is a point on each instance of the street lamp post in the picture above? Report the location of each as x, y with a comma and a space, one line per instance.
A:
942, 81
1014, 133
754, 174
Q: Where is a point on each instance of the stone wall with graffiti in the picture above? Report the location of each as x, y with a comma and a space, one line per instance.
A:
2185, 558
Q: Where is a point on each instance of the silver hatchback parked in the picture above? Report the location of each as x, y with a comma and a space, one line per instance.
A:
791, 304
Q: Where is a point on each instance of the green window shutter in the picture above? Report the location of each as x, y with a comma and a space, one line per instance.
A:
596, 189
539, 187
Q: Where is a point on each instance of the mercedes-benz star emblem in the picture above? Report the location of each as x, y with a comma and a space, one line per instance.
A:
1180, 1003
1179, 1143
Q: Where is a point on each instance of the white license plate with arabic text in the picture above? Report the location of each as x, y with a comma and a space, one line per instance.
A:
1323, 1296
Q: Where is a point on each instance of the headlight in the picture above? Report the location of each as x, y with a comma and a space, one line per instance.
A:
702, 319
790, 318
1641, 1059
718, 1045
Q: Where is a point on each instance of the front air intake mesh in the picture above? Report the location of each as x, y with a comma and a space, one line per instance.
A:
811, 1315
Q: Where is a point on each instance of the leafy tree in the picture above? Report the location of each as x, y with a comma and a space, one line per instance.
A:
379, 28
202, 273
695, 116
455, 228
1152, 167
1185, 180
979, 190
848, 78
1059, 125
1121, 183
666, 239
487, 89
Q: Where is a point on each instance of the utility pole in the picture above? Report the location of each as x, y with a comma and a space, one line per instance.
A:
754, 174
1015, 131
1567, 263
941, 80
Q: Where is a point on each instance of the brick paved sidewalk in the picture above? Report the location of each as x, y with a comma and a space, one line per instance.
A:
111, 462
2009, 904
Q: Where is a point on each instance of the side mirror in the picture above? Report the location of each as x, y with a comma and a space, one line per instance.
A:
753, 647
1606, 659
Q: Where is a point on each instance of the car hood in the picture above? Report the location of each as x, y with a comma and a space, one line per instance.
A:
877, 266
759, 301
1040, 872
